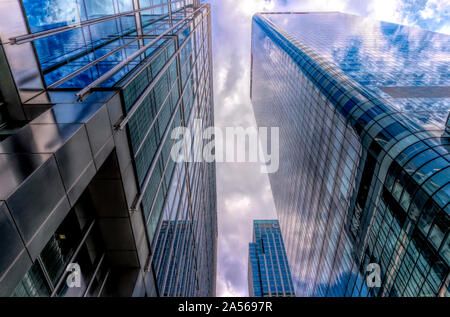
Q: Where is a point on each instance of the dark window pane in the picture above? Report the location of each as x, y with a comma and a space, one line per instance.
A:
88, 258
33, 284
61, 247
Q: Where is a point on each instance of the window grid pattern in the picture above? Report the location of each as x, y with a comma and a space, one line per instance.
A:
360, 180
179, 203
268, 271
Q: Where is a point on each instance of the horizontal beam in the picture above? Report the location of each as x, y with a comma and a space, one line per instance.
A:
85, 91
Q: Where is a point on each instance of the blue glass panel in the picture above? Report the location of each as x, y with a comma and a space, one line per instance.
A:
59, 48
442, 197
48, 14
125, 5
99, 8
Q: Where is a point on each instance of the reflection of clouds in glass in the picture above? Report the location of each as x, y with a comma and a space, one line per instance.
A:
46, 14
62, 11
430, 119
366, 50
99, 8
377, 54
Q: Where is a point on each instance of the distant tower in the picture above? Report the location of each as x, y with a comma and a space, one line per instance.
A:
268, 269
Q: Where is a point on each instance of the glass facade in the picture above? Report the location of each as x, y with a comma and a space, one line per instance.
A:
364, 171
154, 57
268, 269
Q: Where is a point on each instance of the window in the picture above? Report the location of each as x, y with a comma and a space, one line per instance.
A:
76, 240
33, 284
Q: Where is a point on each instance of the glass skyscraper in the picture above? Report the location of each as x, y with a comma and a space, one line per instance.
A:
268, 269
364, 174
90, 91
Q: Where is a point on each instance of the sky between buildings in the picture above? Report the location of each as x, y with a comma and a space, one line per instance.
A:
243, 192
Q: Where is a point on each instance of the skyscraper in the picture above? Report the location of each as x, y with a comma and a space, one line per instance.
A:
364, 174
268, 269
90, 92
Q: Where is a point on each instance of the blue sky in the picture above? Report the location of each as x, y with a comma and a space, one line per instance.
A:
243, 193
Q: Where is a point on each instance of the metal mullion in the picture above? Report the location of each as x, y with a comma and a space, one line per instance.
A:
196, 50
18, 40
158, 230
145, 64
93, 63
187, 168
176, 214
77, 250
190, 283
159, 111
144, 94
152, 167
181, 203
170, 213
211, 87
181, 253
197, 255
278, 266
193, 260
169, 7
180, 241
183, 200
164, 104
201, 171
199, 197
100, 262
92, 49
104, 282
181, 88
189, 176
149, 173
82, 93
152, 244
157, 192
170, 246
166, 269
178, 257
183, 268
191, 263
44, 270
137, 17
195, 180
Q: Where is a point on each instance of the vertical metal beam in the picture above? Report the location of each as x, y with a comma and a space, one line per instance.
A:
137, 17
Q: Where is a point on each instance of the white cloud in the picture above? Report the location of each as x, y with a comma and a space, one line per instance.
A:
386, 10
434, 8
445, 29
249, 7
